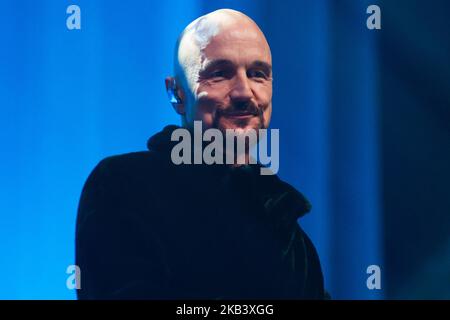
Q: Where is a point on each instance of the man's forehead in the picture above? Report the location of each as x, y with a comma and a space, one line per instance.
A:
223, 34
235, 33
221, 25
235, 41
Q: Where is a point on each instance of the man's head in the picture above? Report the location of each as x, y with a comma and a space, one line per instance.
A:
223, 73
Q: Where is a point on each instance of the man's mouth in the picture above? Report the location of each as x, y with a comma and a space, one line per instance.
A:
239, 114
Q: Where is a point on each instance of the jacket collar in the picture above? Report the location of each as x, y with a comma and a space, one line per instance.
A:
275, 195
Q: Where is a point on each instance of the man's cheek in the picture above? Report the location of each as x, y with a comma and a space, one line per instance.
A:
208, 121
267, 115
206, 117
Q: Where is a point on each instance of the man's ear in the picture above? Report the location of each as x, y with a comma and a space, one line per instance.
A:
176, 95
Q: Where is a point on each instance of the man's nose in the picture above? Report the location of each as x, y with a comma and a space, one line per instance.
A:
241, 90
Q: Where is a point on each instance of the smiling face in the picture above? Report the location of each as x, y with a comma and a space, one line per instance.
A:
229, 84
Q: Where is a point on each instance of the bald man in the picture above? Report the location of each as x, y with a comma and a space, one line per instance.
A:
223, 71
150, 229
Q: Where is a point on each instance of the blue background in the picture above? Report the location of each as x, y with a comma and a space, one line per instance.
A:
363, 117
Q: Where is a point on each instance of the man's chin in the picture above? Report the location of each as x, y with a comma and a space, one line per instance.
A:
239, 123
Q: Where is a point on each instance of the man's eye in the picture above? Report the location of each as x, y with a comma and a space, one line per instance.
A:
217, 74
257, 74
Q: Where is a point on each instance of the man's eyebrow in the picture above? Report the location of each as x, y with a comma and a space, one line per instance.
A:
262, 65
211, 65
216, 63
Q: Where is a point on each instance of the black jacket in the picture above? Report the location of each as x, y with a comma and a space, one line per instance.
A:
149, 229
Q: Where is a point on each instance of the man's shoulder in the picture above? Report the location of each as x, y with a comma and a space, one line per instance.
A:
122, 180
140, 162
131, 158
128, 172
